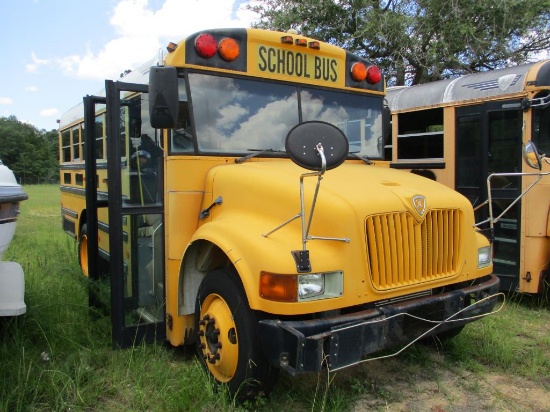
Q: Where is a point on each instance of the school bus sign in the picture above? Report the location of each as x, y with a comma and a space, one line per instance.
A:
297, 65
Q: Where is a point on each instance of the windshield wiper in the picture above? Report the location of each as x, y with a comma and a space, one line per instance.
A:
363, 158
258, 152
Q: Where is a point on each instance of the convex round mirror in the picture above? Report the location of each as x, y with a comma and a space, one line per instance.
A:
302, 140
531, 155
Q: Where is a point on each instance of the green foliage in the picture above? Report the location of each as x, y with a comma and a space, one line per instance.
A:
421, 40
31, 154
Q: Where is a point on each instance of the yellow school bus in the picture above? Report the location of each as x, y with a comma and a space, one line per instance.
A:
463, 130
230, 195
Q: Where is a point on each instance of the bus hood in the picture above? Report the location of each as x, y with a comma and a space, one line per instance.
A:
348, 193
385, 229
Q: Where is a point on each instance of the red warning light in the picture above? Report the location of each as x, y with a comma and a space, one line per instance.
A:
205, 45
373, 74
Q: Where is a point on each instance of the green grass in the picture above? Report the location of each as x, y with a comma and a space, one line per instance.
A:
57, 357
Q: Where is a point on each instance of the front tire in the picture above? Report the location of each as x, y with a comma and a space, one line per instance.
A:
227, 340
83, 249
83, 258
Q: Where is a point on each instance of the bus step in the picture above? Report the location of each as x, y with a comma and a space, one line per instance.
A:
147, 316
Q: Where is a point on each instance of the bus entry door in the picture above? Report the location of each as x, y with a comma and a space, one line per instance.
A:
136, 226
488, 141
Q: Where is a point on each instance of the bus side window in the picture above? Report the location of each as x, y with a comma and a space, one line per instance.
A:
182, 135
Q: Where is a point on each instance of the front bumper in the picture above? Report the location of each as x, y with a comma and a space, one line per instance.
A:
345, 340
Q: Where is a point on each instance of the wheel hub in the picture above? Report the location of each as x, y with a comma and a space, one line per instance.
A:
217, 338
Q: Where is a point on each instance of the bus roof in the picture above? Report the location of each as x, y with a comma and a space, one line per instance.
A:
482, 85
263, 54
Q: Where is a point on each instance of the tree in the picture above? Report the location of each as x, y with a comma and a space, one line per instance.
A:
417, 41
31, 154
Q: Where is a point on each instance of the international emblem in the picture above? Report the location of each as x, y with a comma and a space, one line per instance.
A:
419, 203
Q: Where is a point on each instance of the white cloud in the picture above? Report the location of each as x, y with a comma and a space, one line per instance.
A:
31, 68
115, 57
142, 32
36, 62
49, 112
32, 89
6, 100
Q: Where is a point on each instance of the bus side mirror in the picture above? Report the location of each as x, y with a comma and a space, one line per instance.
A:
163, 97
302, 140
531, 155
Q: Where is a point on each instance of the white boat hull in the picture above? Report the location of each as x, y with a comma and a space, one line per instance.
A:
12, 289
12, 278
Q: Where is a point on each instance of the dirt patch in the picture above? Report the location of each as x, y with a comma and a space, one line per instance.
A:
393, 386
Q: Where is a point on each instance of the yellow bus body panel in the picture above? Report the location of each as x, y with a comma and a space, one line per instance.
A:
250, 211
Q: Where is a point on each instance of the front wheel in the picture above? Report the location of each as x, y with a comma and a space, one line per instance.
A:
227, 340
83, 249
83, 258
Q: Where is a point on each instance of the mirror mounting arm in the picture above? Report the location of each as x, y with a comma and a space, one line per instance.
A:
304, 145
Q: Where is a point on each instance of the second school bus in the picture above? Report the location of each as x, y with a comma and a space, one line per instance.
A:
229, 195
461, 131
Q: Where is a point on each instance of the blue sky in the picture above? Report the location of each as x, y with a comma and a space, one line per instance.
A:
54, 52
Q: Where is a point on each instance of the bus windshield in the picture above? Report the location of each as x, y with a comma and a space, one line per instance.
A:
236, 116
541, 129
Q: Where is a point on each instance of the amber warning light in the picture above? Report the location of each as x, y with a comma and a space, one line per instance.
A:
206, 46
360, 72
